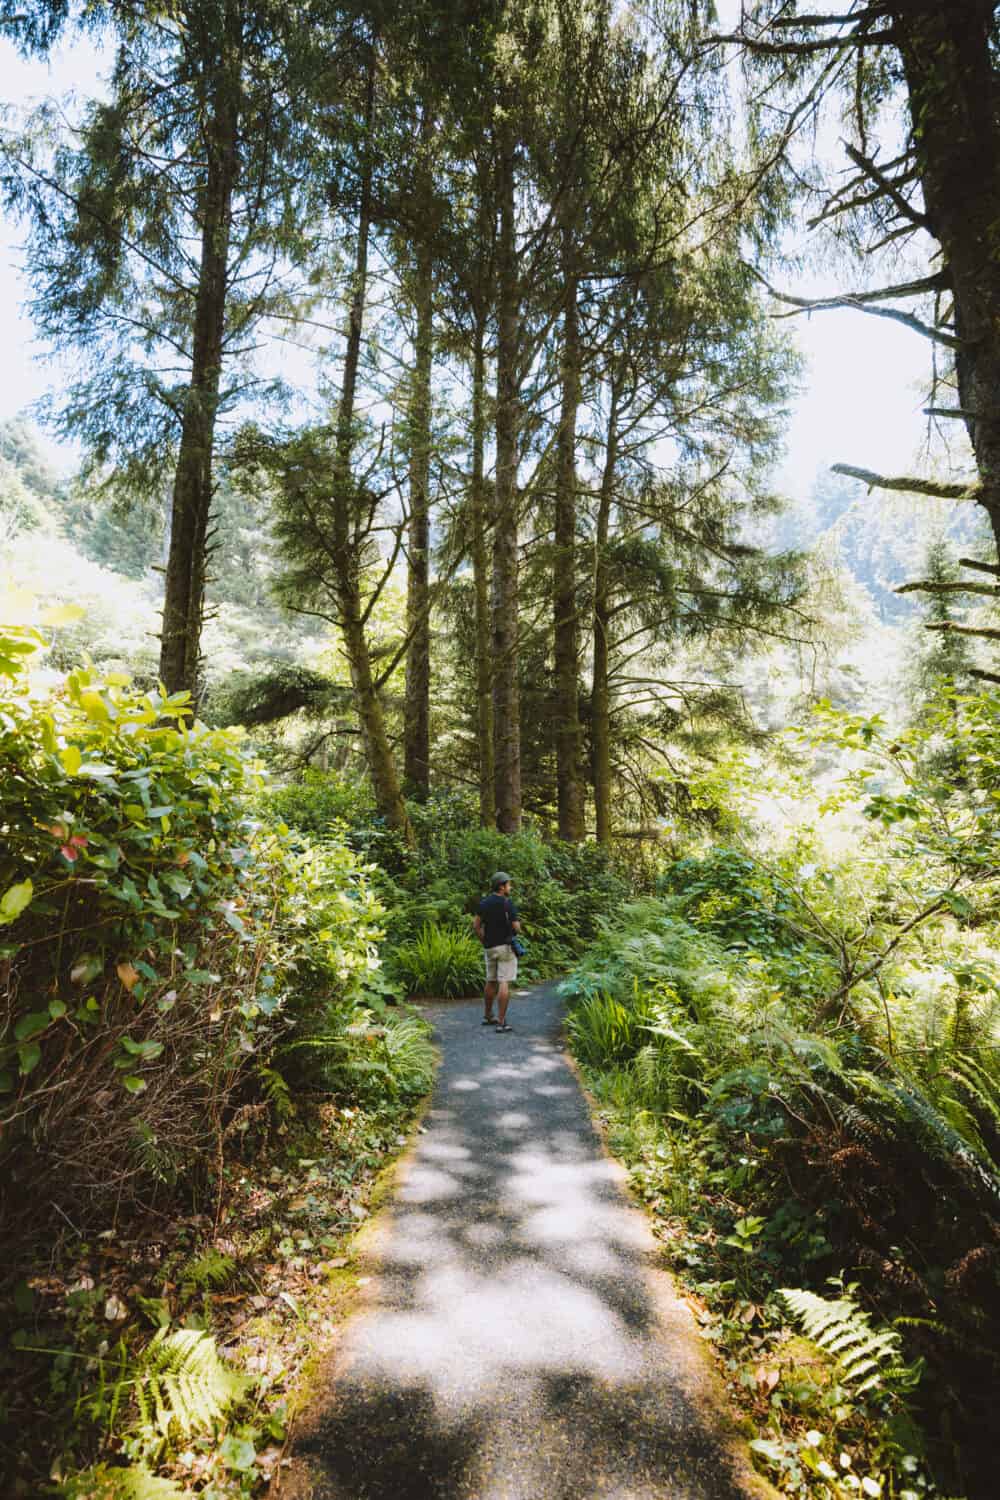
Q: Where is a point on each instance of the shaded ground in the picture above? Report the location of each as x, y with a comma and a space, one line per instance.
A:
518, 1342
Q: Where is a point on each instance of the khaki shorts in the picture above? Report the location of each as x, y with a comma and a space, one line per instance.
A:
501, 964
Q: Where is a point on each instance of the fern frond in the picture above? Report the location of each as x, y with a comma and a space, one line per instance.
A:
972, 1077
866, 1356
276, 1092
104, 1483
209, 1271
180, 1381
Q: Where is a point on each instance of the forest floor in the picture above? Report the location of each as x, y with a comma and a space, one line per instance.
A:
519, 1336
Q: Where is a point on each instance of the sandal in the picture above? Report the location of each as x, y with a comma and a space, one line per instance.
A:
504, 1027
488, 1021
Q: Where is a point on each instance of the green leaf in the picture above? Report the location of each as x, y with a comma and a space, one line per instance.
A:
29, 1055
146, 1050
14, 900
33, 1024
71, 759
133, 1084
57, 1009
238, 1454
86, 968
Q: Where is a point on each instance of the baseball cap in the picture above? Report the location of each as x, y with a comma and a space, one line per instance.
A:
498, 880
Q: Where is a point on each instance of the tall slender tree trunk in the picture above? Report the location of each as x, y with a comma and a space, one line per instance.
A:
417, 728
569, 737
601, 693
378, 754
949, 69
479, 521
506, 701
191, 500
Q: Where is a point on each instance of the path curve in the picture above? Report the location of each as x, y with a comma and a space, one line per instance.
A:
518, 1341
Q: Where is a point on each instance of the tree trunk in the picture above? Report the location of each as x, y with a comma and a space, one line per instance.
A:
385, 782
569, 738
601, 695
416, 730
184, 591
952, 94
506, 704
480, 572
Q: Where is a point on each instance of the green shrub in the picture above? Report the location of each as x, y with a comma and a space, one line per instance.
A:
155, 943
320, 803
444, 962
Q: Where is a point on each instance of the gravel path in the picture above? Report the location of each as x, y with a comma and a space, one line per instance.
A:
517, 1341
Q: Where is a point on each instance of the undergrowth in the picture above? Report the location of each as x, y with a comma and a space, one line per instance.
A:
166, 1356
832, 1204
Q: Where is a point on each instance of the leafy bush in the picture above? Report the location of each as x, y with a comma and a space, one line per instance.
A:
320, 803
444, 962
156, 942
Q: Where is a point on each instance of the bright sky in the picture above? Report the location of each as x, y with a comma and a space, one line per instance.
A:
861, 397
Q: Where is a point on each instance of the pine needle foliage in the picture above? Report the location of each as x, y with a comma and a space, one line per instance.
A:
867, 1357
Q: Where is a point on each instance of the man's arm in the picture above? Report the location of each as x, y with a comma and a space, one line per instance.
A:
477, 923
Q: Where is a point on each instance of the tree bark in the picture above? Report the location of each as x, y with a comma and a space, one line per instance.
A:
568, 734
378, 754
601, 697
416, 730
184, 591
952, 93
506, 701
480, 571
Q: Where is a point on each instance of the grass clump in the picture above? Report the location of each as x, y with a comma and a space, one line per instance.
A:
439, 961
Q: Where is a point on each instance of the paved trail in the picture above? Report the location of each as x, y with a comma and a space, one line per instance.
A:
519, 1343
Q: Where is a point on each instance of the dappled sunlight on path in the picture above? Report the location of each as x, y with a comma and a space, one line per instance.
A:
518, 1343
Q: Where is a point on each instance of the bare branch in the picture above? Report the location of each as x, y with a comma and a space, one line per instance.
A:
940, 489
982, 631
950, 411
979, 567
925, 586
859, 302
885, 38
887, 185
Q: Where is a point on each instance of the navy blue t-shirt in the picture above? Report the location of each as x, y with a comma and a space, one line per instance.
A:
493, 913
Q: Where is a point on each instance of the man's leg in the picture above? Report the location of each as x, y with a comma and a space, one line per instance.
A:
504, 998
491, 989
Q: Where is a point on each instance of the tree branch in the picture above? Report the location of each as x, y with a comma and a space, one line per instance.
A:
885, 38
978, 630
925, 586
979, 567
886, 184
859, 302
908, 485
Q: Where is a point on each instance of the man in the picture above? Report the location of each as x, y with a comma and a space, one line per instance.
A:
495, 923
